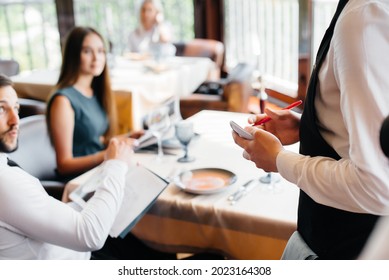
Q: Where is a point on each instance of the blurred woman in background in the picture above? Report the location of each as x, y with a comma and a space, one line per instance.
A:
152, 32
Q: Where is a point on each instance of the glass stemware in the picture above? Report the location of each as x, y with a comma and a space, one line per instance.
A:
184, 133
158, 122
269, 178
270, 181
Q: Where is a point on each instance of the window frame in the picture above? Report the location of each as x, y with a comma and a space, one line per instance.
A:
209, 24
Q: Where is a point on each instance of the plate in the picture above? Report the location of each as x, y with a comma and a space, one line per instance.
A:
156, 67
136, 56
205, 180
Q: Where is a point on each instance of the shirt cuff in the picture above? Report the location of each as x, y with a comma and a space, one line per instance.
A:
119, 166
286, 161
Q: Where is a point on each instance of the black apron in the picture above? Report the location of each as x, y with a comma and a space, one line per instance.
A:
331, 233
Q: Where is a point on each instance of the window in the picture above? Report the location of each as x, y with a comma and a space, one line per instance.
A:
268, 33
265, 33
115, 19
275, 37
29, 29
29, 33
322, 13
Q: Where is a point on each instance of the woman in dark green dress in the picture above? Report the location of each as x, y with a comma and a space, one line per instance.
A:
81, 118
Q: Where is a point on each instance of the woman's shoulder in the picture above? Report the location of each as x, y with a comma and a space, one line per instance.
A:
70, 90
70, 93
61, 92
134, 32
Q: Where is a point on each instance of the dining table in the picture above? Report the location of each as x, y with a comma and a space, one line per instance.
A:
139, 85
257, 226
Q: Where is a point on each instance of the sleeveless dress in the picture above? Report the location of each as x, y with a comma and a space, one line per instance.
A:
90, 121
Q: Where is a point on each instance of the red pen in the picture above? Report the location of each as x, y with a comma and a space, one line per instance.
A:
266, 119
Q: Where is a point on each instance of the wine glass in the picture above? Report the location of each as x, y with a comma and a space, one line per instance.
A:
184, 134
158, 122
269, 178
270, 181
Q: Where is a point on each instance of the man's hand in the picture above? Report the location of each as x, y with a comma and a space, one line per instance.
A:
262, 150
121, 149
284, 124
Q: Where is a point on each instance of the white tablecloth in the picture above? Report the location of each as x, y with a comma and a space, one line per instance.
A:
256, 227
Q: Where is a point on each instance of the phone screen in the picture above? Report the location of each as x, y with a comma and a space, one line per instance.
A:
241, 132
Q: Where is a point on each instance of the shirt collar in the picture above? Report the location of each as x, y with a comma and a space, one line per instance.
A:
3, 159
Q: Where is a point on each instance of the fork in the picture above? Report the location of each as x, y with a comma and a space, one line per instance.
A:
245, 191
233, 196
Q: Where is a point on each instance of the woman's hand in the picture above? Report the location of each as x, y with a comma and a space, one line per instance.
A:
284, 124
159, 18
133, 134
136, 134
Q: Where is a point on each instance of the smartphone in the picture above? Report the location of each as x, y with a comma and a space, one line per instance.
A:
241, 132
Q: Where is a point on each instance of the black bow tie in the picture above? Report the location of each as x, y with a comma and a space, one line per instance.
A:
10, 162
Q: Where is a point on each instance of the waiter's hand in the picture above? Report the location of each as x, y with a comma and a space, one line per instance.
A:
262, 150
284, 124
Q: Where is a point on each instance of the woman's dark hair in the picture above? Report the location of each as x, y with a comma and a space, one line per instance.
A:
70, 71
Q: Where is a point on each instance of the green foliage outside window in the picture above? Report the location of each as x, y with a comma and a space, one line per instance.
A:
29, 34
116, 19
29, 30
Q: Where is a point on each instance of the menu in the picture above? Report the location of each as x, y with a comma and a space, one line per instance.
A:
141, 191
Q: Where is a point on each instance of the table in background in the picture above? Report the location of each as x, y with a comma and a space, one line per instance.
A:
139, 85
256, 227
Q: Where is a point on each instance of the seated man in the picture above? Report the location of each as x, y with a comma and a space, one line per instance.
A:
34, 225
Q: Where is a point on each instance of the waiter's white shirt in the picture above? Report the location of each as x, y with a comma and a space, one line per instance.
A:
351, 103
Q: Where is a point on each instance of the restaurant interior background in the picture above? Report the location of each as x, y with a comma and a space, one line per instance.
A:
278, 36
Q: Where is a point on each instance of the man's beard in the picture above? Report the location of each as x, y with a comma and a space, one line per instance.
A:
4, 148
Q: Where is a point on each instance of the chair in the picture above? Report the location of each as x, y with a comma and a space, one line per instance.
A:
210, 48
30, 107
9, 67
36, 155
230, 94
